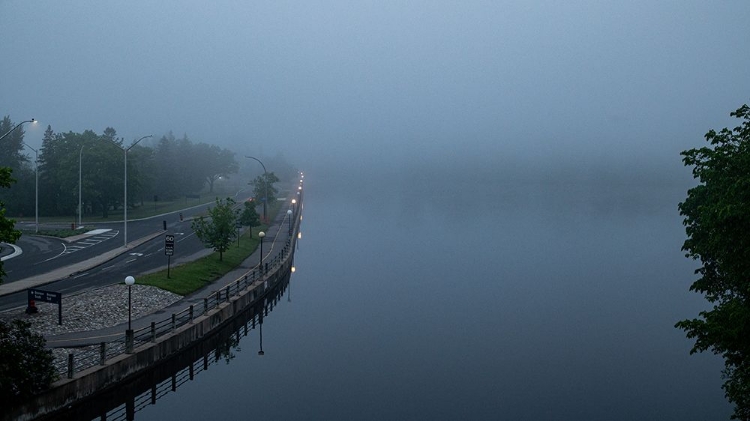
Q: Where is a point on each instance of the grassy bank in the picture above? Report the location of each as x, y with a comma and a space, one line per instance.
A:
192, 276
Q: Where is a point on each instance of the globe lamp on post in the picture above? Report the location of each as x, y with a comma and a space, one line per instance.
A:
260, 260
129, 281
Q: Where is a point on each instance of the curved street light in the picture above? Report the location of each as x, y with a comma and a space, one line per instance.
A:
17, 126
80, 171
265, 184
125, 202
125, 196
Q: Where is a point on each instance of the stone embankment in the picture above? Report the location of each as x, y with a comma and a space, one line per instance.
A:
94, 309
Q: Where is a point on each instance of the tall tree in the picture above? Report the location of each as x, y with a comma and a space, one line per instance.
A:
217, 231
215, 163
263, 187
717, 222
19, 200
11, 152
249, 216
8, 233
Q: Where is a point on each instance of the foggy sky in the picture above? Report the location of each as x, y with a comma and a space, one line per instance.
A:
384, 81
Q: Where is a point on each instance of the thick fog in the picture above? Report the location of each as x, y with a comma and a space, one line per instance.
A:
392, 84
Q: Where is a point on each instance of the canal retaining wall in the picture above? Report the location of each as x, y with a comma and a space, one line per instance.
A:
124, 366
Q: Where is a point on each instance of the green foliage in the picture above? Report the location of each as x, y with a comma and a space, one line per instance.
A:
169, 169
263, 187
249, 216
26, 367
8, 233
12, 155
717, 222
218, 231
192, 276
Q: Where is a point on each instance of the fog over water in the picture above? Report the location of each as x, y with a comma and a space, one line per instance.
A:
521, 306
491, 226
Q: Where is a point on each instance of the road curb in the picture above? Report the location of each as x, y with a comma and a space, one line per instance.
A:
67, 271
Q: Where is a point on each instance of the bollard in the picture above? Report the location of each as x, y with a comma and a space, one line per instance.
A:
205, 305
191, 313
102, 353
153, 332
174, 321
129, 341
70, 365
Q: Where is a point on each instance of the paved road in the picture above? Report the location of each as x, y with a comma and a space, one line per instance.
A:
275, 240
104, 262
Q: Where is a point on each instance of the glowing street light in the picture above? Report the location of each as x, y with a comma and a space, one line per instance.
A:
17, 126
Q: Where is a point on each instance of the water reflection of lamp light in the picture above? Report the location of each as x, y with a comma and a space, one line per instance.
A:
260, 321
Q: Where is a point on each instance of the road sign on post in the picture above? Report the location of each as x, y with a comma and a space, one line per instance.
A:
169, 249
48, 297
169, 244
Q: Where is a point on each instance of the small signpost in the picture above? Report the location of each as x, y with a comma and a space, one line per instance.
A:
168, 249
35, 295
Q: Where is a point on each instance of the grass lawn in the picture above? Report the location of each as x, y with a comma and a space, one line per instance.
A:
192, 276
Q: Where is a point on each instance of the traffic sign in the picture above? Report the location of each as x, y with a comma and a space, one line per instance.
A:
169, 244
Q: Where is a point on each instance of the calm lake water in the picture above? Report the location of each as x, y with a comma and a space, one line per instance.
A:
473, 299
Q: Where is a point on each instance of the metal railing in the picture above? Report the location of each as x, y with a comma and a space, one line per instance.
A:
256, 281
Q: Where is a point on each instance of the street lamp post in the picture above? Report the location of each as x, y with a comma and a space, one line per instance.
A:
260, 260
129, 281
36, 186
80, 171
125, 198
294, 205
17, 126
265, 184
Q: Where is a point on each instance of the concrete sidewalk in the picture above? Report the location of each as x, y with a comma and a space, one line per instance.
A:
275, 240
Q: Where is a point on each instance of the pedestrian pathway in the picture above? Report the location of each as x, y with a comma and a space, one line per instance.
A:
274, 241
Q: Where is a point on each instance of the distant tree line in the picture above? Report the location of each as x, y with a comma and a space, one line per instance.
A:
169, 169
